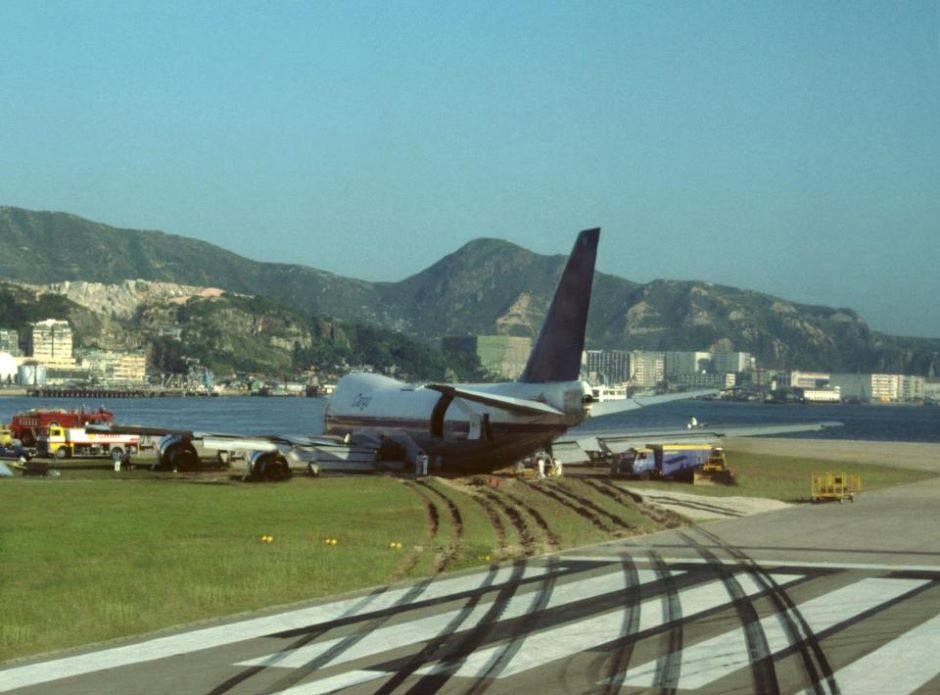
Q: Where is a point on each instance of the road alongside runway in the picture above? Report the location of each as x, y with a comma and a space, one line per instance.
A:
815, 598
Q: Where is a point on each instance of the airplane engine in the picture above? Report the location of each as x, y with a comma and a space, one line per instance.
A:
268, 466
176, 454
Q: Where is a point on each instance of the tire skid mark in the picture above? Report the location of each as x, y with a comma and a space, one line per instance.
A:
669, 664
587, 514
324, 659
577, 508
433, 682
617, 520
620, 660
495, 519
457, 520
303, 641
435, 644
763, 670
502, 657
518, 522
794, 624
553, 542
434, 521
663, 517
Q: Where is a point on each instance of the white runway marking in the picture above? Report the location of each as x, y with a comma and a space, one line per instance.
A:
333, 683
207, 638
840, 566
720, 656
424, 629
563, 641
901, 666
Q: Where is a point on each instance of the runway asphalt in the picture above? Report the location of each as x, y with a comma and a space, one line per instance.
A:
812, 598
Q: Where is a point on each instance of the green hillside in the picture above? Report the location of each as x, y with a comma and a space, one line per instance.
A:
486, 287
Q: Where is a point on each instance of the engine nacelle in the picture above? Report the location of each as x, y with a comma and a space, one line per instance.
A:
174, 453
270, 466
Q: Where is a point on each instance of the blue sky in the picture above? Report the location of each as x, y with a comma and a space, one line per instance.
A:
791, 148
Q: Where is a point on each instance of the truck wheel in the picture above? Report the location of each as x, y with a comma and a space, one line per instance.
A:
62, 453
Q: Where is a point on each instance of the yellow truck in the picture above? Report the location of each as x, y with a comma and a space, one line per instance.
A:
68, 442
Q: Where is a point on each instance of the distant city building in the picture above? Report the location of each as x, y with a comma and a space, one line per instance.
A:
114, 368
607, 366
503, 355
8, 368
932, 388
823, 394
884, 388
10, 341
911, 388
50, 342
852, 386
647, 369
808, 380
704, 380
677, 363
736, 362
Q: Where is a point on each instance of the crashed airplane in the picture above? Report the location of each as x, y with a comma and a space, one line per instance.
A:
371, 420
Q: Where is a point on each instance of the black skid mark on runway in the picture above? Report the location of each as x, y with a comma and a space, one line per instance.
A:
542, 595
758, 651
434, 681
794, 624
434, 645
669, 663
348, 642
620, 660
303, 641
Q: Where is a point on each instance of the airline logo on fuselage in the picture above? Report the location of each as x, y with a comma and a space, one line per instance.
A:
361, 401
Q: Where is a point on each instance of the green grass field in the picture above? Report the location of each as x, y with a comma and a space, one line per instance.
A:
94, 555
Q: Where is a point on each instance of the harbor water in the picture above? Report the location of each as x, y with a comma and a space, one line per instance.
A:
248, 415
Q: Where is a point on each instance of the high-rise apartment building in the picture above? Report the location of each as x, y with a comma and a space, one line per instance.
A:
50, 341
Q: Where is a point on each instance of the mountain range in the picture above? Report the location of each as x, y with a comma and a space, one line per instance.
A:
488, 286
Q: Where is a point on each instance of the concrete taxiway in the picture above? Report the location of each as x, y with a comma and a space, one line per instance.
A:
810, 598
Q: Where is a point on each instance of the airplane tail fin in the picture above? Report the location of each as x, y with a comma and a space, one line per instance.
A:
557, 352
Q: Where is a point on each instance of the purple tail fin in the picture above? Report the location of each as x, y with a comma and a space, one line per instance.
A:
557, 352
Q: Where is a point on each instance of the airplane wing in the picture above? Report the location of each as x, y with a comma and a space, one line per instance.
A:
582, 447
603, 408
237, 441
514, 405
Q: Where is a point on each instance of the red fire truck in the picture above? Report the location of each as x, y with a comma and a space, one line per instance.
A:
28, 427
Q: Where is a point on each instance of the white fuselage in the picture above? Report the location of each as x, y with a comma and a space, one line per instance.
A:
466, 435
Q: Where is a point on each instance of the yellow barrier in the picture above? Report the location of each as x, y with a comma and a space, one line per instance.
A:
835, 486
